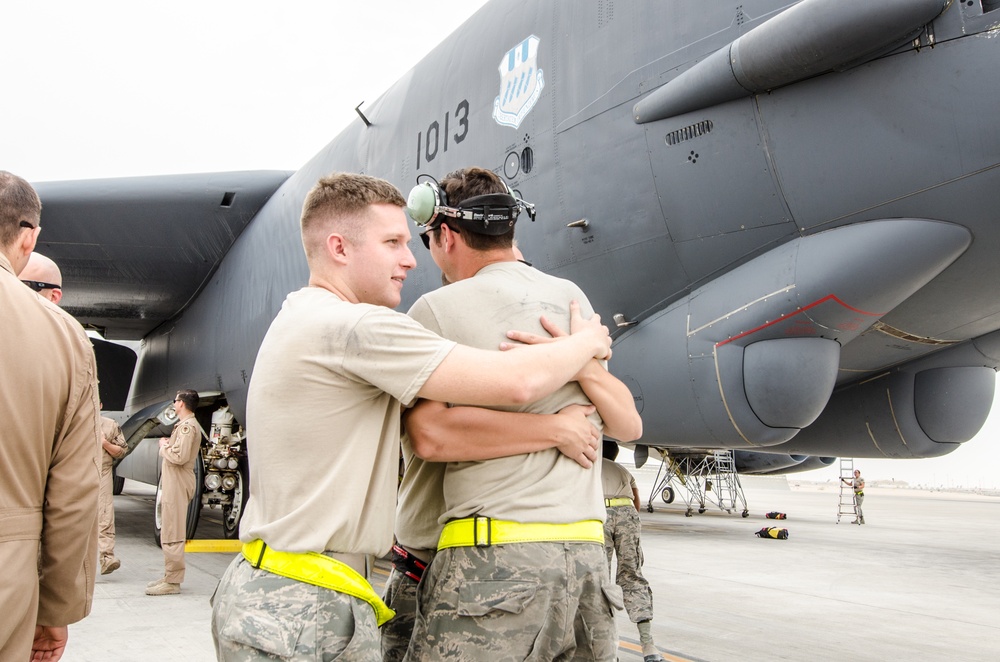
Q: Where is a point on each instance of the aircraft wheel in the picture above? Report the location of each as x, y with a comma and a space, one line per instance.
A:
119, 483
233, 513
194, 508
746, 513
667, 494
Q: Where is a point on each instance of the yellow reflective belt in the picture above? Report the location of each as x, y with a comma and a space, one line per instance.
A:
483, 532
618, 501
318, 570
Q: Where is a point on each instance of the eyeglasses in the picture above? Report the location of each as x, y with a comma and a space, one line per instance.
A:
26, 224
38, 285
425, 236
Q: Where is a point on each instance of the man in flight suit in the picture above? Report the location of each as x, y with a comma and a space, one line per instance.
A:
323, 410
112, 447
621, 536
43, 276
48, 460
177, 484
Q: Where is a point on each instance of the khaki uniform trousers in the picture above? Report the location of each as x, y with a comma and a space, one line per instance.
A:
19, 597
177, 490
106, 508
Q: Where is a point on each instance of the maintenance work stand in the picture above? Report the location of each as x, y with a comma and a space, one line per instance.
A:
702, 478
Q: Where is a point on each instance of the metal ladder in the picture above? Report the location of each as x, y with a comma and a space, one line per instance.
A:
846, 506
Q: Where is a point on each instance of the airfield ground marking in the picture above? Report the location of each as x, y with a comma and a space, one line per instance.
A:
636, 648
213, 546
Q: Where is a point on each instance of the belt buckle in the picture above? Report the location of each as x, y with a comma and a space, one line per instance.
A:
475, 531
260, 558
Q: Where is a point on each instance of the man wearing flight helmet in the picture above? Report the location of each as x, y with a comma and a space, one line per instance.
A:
522, 540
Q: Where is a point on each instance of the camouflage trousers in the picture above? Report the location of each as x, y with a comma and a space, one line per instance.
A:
539, 601
257, 615
401, 596
621, 537
858, 500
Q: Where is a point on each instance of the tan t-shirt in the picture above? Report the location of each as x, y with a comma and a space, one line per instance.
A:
421, 502
323, 422
616, 480
537, 487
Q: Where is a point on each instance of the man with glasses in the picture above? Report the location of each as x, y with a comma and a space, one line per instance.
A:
43, 276
323, 414
179, 453
48, 468
520, 567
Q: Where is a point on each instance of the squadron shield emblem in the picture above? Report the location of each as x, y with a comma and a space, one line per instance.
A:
521, 83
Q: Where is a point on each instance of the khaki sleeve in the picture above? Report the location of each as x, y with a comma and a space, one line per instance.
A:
69, 528
117, 438
184, 444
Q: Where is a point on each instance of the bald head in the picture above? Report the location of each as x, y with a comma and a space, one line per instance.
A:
43, 270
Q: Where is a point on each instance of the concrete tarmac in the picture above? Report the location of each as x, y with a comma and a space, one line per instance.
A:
921, 580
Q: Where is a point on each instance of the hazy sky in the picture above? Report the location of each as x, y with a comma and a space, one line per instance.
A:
107, 89
111, 89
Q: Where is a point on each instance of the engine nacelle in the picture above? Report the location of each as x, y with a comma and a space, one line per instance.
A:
921, 409
752, 462
750, 358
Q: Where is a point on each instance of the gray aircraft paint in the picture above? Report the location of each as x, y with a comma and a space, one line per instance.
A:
789, 260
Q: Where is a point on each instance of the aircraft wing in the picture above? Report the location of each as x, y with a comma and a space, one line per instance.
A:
135, 251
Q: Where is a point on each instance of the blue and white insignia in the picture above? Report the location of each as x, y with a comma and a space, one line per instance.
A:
521, 83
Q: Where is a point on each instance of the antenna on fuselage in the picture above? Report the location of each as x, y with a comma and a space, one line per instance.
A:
364, 119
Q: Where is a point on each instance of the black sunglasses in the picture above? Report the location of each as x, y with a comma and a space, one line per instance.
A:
425, 236
26, 224
38, 285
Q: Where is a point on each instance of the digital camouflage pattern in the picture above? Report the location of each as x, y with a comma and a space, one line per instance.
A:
257, 615
539, 601
401, 596
622, 530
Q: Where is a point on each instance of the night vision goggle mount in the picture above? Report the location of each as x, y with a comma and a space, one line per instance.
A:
491, 214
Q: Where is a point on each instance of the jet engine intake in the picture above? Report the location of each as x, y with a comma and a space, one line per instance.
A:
752, 357
925, 408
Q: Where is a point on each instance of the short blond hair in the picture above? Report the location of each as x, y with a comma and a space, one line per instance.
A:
340, 203
18, 202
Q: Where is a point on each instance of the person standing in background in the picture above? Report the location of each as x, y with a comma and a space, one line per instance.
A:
622, 530
177, 482
43, 276
112, 447
858, 484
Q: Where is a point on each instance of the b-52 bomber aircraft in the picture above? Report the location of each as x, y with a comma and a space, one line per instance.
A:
787, 212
